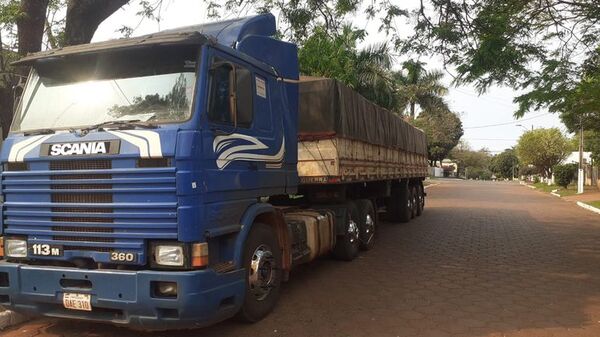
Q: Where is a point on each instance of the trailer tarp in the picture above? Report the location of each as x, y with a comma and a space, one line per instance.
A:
329, 108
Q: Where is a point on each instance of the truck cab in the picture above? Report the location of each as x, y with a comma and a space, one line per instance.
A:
135, 170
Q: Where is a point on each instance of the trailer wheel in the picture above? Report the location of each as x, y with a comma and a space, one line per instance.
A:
400, 203
262, 261
414, 201
367, 221
347, 245
420, 199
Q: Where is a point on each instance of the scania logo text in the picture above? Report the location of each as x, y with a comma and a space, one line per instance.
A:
70, 149
81, 148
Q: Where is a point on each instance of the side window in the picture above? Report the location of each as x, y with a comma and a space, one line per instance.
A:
219, 110
244, 93
231, 94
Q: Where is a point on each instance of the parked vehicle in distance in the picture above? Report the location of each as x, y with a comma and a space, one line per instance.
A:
173, 180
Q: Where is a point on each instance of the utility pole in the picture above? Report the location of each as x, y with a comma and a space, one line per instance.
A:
580, 170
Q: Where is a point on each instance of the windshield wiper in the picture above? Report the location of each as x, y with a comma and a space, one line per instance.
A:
121, 125
39, 132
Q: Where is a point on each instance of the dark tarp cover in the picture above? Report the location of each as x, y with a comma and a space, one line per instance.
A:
328, 108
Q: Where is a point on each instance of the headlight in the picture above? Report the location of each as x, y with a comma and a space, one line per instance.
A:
169, 255
15, 247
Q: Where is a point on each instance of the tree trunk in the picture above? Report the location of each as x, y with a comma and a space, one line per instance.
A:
84, 17
30, 31
31, 25
412, 110
6, 110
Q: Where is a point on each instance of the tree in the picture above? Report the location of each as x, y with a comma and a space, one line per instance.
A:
417, 86
32, 22
443, 129
471, 164
366, 71
564, 174
84, 17
300, 19
543, 148
505, 164
527, 45
592, 143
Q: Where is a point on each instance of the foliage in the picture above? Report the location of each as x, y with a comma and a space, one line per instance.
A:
443, 129
528, 170
472, 164
505, 164
592, 143
529, 45
580, 106
366, 70
479, 173
298, 20
564, 174
369, 71
543, 148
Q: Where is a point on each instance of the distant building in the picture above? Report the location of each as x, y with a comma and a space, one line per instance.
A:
573, 158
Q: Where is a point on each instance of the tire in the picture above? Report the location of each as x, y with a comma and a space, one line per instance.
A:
399, 204
261, 253
421, 199
413, 201
347, 245
367, 223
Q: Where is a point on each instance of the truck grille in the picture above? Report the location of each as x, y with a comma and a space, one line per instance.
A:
92, 206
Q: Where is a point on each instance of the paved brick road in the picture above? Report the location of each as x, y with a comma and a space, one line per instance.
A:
486, 259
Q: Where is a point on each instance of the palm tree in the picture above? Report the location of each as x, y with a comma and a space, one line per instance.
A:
417, 86
372, 70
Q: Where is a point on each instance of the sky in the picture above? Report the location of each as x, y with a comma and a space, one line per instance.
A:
487, 119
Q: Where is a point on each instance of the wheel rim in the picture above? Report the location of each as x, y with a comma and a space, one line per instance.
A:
352, 231
369, 228
262, 272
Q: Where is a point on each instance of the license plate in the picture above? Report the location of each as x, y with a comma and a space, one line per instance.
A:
77, 301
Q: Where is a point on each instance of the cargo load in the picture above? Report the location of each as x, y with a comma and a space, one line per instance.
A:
345, 137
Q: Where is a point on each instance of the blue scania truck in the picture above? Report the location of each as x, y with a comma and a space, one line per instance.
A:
173, 180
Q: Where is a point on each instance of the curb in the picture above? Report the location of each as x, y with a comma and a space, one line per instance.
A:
530, 186
428, 186
588, 207
555, 194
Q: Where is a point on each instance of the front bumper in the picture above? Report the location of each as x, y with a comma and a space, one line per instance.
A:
124, 297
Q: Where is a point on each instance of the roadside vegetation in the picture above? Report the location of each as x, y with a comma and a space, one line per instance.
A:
594, 204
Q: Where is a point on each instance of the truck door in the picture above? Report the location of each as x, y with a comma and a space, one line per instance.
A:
243, 142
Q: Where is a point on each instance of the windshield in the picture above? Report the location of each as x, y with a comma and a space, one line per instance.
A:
156, 86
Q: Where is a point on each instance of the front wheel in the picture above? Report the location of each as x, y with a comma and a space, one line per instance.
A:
262, 261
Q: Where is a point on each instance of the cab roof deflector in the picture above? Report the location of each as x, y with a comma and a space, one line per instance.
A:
227, 33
